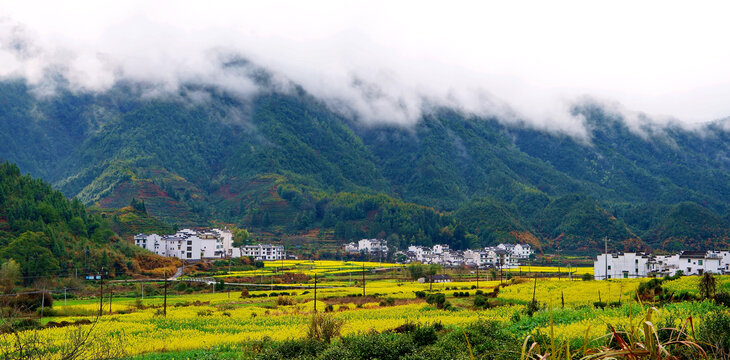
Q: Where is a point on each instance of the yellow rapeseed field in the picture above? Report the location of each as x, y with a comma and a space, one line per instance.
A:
204, 320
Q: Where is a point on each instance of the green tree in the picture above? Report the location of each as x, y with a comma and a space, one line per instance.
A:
416, 271
10, 275
35, 259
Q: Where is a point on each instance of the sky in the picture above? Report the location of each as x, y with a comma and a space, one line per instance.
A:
388, 61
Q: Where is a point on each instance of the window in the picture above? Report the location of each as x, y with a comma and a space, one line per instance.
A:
609, 267
190, 248
636, 261
699, 262
190, 255
689, 260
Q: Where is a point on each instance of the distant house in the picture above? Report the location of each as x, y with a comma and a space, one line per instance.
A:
519, 251
264, 252
440, 249
631, 265
367, 246
189, 244
441, 278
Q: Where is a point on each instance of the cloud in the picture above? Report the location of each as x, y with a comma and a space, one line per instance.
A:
383, 62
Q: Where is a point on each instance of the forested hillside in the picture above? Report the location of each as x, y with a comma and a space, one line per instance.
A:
48, 235
286, 162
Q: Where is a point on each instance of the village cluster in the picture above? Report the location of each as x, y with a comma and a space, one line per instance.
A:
635, 265
190, 244
501, 256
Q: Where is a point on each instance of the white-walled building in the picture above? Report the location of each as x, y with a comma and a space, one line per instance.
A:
631, 265
188, 244
264, 252
418, 252
367, 246
520, 251
621, 266
440, 249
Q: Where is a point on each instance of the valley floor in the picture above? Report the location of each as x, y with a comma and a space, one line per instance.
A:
224, 322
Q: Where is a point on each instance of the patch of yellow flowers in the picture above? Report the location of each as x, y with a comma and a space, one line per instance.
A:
225, 318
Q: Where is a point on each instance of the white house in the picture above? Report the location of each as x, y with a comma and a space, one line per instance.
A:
630, 265
372, 245
621, 265
226, 237
419, 252
190, 244
440, 248
699, 262
264, 252
519, 251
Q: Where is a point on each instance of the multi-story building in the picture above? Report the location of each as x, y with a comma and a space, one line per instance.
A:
190, 244
631, 265
621, 265
519, 251
264, 252
367, 246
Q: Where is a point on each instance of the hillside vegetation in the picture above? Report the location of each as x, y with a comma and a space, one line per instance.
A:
49, 235
286, 163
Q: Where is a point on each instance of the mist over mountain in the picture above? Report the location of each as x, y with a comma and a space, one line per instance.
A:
284, 159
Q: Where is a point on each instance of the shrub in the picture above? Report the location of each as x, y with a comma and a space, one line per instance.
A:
481, 301
387, 302
284, 301
714, 329
723, 298
532, 307
29, 302
420, 294
437, 299
244, 293
324, 327
206, 312
424, 335
181, 286
707, 286
587, 277
649, 289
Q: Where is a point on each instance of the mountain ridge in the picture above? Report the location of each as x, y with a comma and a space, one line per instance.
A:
281, 161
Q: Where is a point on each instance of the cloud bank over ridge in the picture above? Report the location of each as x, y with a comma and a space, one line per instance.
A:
526, 62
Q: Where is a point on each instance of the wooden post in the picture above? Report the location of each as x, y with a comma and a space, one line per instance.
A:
101, 291
477, 275
315, 293
164, 303
363, 278
111, 293
43, 302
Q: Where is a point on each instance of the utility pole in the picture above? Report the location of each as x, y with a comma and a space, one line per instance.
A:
101, 291
605, 243
43, 302
64, 296
315, 293
111, 293
363, 279
164, 303
477, 274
